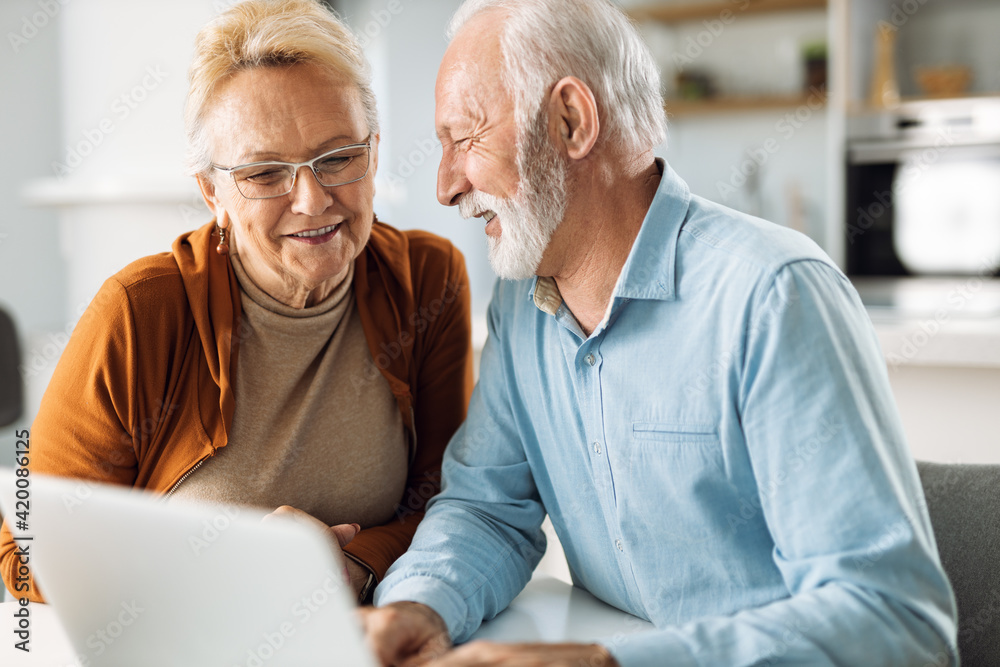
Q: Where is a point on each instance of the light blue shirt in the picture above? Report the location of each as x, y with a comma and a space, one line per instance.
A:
722, 456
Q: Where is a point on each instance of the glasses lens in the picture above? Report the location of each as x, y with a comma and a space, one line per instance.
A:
343, 166
262, 181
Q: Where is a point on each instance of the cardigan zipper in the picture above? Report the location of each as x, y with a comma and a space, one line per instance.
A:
413, 435
181, 480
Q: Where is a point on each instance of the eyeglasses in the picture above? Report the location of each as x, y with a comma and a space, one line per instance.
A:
265, 180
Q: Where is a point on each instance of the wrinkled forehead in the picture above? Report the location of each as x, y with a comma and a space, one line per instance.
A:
284, 113
470, 80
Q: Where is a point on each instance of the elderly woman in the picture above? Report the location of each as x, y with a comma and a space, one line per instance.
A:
293, 352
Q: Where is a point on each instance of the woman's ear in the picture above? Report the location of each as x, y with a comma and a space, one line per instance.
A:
573, 111
208, 193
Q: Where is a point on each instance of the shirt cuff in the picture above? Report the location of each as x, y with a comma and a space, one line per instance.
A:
437, 595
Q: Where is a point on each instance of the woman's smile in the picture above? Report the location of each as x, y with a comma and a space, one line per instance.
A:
316, 236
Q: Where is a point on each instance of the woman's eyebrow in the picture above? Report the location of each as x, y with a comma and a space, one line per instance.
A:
252, 155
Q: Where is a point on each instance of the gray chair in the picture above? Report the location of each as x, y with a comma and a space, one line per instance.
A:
964, 505
11, 392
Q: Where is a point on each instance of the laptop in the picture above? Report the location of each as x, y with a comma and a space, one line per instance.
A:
136, 581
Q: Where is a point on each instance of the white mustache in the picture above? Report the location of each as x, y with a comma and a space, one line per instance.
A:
476, 203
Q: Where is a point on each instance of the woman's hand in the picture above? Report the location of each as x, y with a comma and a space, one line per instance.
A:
340, 536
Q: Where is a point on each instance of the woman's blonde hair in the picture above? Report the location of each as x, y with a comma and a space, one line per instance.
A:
267, 33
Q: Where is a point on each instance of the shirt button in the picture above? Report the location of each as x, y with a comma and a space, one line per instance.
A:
591, 359
618, 544
597, 448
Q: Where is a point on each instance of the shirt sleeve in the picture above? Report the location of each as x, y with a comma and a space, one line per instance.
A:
839, 492
481, 538
443, 387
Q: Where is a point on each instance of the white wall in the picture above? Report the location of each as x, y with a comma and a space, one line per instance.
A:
32, 279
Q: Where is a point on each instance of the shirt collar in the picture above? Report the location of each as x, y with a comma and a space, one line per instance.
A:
650, 270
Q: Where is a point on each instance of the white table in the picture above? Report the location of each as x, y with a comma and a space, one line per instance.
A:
548, 610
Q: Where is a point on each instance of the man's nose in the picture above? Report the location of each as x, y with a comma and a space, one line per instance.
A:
452, 181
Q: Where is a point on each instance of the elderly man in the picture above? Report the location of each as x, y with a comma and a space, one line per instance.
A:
695, 397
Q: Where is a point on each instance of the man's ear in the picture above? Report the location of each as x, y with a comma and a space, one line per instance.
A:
573, 117
207, 188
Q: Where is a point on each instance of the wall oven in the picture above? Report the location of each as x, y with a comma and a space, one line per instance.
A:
923, 201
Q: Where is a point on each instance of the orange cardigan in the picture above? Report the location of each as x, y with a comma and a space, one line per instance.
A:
144, 389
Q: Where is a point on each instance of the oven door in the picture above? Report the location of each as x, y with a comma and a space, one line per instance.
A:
923, 208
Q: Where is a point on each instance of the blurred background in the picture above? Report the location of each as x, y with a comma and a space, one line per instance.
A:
873, 126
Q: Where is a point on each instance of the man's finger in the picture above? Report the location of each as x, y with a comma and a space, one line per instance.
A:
401, 636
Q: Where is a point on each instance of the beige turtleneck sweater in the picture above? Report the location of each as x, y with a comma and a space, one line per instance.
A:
316, 426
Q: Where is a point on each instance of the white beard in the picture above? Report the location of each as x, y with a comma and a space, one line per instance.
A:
529, 218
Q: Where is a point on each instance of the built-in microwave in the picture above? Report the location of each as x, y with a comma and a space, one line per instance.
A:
923, 190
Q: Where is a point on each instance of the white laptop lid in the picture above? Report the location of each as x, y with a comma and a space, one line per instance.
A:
136, 581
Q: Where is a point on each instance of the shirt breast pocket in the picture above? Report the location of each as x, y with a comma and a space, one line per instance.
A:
693, 434
676, 477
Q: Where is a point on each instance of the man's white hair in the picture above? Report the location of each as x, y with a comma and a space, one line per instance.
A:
546, 40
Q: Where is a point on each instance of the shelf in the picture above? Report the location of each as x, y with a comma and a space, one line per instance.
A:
676, 108
693, 11
55, 192
863, 108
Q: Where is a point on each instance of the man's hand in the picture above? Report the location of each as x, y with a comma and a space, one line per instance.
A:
405, 634
491, 654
